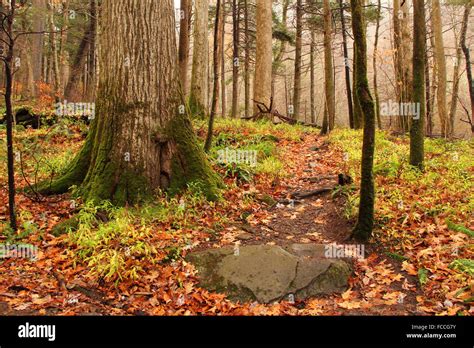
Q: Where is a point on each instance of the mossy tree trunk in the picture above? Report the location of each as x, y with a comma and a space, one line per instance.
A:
328, 66
417, 130
365, 222
140, 140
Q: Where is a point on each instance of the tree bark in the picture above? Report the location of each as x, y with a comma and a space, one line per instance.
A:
374, 64
312, 77
139, 142
363, 229
236, 57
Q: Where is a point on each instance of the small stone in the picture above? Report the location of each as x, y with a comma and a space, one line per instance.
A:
244, 236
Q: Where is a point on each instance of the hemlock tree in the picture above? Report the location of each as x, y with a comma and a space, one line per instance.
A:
298, 59
140, 140
199, 98
363, 229
328, 68
419, 48
262, 90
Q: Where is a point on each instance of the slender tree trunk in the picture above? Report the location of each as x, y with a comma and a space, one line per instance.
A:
184, 43
429, 107
200, 73
218, 47
365, 221
456, 77
467, 56
374, 64
139, 141
358, 115
313, 77
236, 57
441, 67
347, 68
298, 50
263, 61
247, 60
223, 84
8, 62
417, 129
328, 66
38, 20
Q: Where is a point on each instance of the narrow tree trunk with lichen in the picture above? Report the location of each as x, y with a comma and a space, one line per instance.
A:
417, 129
328, 67
184, 43
140, 141
363, 229
467, 56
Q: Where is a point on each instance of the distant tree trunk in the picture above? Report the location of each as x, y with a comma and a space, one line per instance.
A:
81, 55
282, 48
328, 66
417, 129
441, 67
236, 59
398, 59
263, 61
184, 43
347, 68
54, 51
365, 221
407, 55
456, 77
218, 47
38, 20
247, 61
467, 56
198, 99
312, 77
298, 49
376, 92
139, 142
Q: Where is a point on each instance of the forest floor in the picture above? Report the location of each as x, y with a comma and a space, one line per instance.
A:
131, 262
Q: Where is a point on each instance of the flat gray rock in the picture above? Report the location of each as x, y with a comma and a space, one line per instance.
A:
267, 273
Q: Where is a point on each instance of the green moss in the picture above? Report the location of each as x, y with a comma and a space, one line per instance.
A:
190, 164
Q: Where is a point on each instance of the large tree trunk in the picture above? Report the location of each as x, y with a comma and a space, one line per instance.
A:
347, 69
328, 67
441, 67
263, 62
198, 100
139, 142
184, 40
365, 221
298, 50
417, 130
